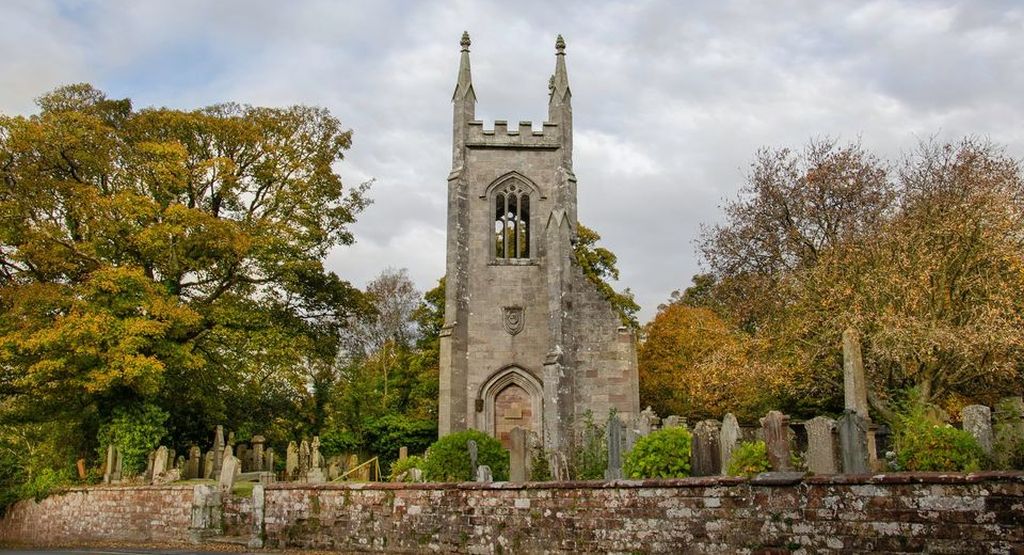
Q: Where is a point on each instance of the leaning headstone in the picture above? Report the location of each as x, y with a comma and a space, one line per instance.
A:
1008, 434
614, 432
707, 454
291, 462
977, 421
483, 474
821, 445
775, 428
194, 461
230, 469
853, 442
727, 439
471, 447
518, 455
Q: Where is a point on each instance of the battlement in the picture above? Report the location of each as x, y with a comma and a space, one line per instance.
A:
522, 137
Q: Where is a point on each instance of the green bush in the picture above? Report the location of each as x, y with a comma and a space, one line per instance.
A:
404, 465
924, 443
749, 459
661, 454
135, 432
447, 460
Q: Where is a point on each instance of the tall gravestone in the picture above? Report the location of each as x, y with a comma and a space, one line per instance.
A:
853, 442
614, 433
977, 421
728, 438
821, 445
707, 454
518, 456
775, 428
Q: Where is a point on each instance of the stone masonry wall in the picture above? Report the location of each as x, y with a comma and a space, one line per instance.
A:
938, 513
139, 514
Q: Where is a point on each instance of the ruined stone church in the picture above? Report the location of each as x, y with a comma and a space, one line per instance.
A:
528, 340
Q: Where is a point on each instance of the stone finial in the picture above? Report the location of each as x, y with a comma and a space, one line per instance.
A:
465, 41
560, 45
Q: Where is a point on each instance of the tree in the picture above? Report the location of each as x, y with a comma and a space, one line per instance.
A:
168, 256
598, 264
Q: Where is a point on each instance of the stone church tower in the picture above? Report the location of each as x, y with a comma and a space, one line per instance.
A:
528, 340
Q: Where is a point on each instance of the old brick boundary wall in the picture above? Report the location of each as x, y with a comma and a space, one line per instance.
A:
945, 513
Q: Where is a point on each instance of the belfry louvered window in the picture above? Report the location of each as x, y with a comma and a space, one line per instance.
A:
511, 221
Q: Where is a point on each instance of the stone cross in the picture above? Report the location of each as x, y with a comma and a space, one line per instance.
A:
775, 428
614, 471
471, 447
291, 462
518, 456
707, 448
853, 442
977, 421
821, 445
727, 439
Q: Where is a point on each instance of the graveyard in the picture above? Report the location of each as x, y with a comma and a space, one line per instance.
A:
194, 356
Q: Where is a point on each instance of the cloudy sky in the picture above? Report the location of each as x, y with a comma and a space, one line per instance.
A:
671, 99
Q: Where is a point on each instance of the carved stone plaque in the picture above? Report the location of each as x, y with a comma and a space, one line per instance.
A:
513, 318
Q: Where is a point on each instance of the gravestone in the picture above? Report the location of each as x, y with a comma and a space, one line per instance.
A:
707, 454
821, 445
518, 456
258, 453
727, 439
291, 462
1008, 434
218, 449
230, 469
208, 466
471, 447
775, 428
614, 431
192, 466
853, 442
483, 474
977, 421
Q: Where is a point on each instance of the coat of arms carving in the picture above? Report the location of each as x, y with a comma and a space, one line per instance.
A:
513, 318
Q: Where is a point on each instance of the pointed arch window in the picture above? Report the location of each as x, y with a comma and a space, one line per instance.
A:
511, 205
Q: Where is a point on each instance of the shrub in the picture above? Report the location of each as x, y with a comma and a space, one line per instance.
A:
661, 454
749, 459
925, 443
405, 465
135, 432
447, 460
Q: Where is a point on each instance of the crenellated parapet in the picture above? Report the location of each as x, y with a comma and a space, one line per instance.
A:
523, 136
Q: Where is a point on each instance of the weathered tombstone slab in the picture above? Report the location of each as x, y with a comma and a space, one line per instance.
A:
614, 432
977, 421
707, 454
727, 439
518, 455
853, 442
821, 445
483, 474
1008, 434
291, 462
775, 428
230, 469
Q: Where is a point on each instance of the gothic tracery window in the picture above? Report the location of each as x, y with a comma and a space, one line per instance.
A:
512, 221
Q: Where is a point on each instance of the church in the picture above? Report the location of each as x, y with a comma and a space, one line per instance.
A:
528, 340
